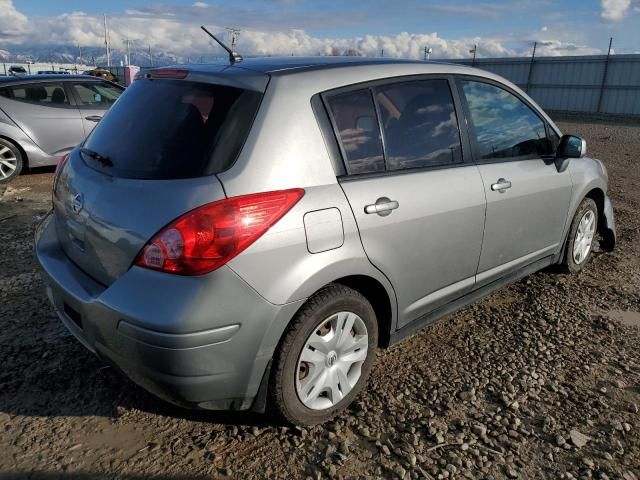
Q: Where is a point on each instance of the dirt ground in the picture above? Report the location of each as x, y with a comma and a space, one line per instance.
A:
539, 380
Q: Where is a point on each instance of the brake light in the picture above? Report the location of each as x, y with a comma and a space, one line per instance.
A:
206, 238
61, 162
169, 73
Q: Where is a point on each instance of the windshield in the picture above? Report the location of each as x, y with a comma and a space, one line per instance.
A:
166, 129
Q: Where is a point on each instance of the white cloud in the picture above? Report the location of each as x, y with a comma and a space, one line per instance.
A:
544, 29
556, 48
614, 10
200, 5
13, 24
177, 33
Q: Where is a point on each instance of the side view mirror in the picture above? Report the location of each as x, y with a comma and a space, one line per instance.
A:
572, 146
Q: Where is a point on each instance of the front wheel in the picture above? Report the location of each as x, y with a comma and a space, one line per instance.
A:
581, 236
325, 357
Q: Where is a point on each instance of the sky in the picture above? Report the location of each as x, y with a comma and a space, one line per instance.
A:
399, 28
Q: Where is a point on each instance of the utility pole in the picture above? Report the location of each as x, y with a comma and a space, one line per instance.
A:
150, 56
533, 57
427, 53
382, 52
474, 50
604, 75
235, 33
107, 43
128, 62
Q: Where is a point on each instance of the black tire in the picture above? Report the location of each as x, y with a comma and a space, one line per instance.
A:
283, 398
13, 153
569, 263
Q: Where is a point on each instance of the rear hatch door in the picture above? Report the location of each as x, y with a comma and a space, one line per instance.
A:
151, 159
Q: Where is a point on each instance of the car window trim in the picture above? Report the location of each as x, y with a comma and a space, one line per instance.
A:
327, 130
467, 158
475, 148
70, 105
403, 171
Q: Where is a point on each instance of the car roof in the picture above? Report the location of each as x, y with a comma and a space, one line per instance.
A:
271, 65
44, 77
278, 64
312, 66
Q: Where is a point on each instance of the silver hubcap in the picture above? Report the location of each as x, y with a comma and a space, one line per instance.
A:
330, 363
584, 237
8, 162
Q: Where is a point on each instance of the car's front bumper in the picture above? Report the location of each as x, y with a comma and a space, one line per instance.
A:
194, 341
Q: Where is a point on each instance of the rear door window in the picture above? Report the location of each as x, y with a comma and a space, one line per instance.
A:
419, 124
96, 94
358, 132
50, 94
165, 129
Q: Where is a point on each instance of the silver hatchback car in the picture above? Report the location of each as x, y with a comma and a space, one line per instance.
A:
242, 236
43, 117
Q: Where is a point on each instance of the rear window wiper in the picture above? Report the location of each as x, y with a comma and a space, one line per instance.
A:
105, 161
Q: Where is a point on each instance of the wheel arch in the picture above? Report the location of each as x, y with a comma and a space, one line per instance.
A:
377, 295
597, 194
382, 301
605, 227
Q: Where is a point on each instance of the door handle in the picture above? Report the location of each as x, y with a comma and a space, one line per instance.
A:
501, 185
93, 118
382, 207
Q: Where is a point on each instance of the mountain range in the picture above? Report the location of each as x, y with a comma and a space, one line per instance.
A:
93, 56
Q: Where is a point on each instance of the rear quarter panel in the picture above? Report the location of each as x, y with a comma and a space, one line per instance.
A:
281, 268
35, 156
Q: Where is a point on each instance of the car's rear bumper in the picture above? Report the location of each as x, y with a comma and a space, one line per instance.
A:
194, 341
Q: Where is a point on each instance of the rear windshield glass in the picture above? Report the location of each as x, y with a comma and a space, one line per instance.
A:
166, 129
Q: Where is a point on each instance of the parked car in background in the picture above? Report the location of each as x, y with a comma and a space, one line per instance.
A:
232, 236
42, 117
17, 71
105, 74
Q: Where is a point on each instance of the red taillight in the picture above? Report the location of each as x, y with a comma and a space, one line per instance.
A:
209, 236
61, 162
59, 168
169, 73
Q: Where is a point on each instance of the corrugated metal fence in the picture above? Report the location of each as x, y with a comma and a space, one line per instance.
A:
590, 84
594, 83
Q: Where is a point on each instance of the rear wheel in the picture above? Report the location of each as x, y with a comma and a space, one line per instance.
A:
10, 161
581, 236
325, 356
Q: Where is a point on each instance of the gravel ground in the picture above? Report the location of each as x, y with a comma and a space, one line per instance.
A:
539, 380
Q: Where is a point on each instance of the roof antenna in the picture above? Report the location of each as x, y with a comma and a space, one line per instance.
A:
233, 56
